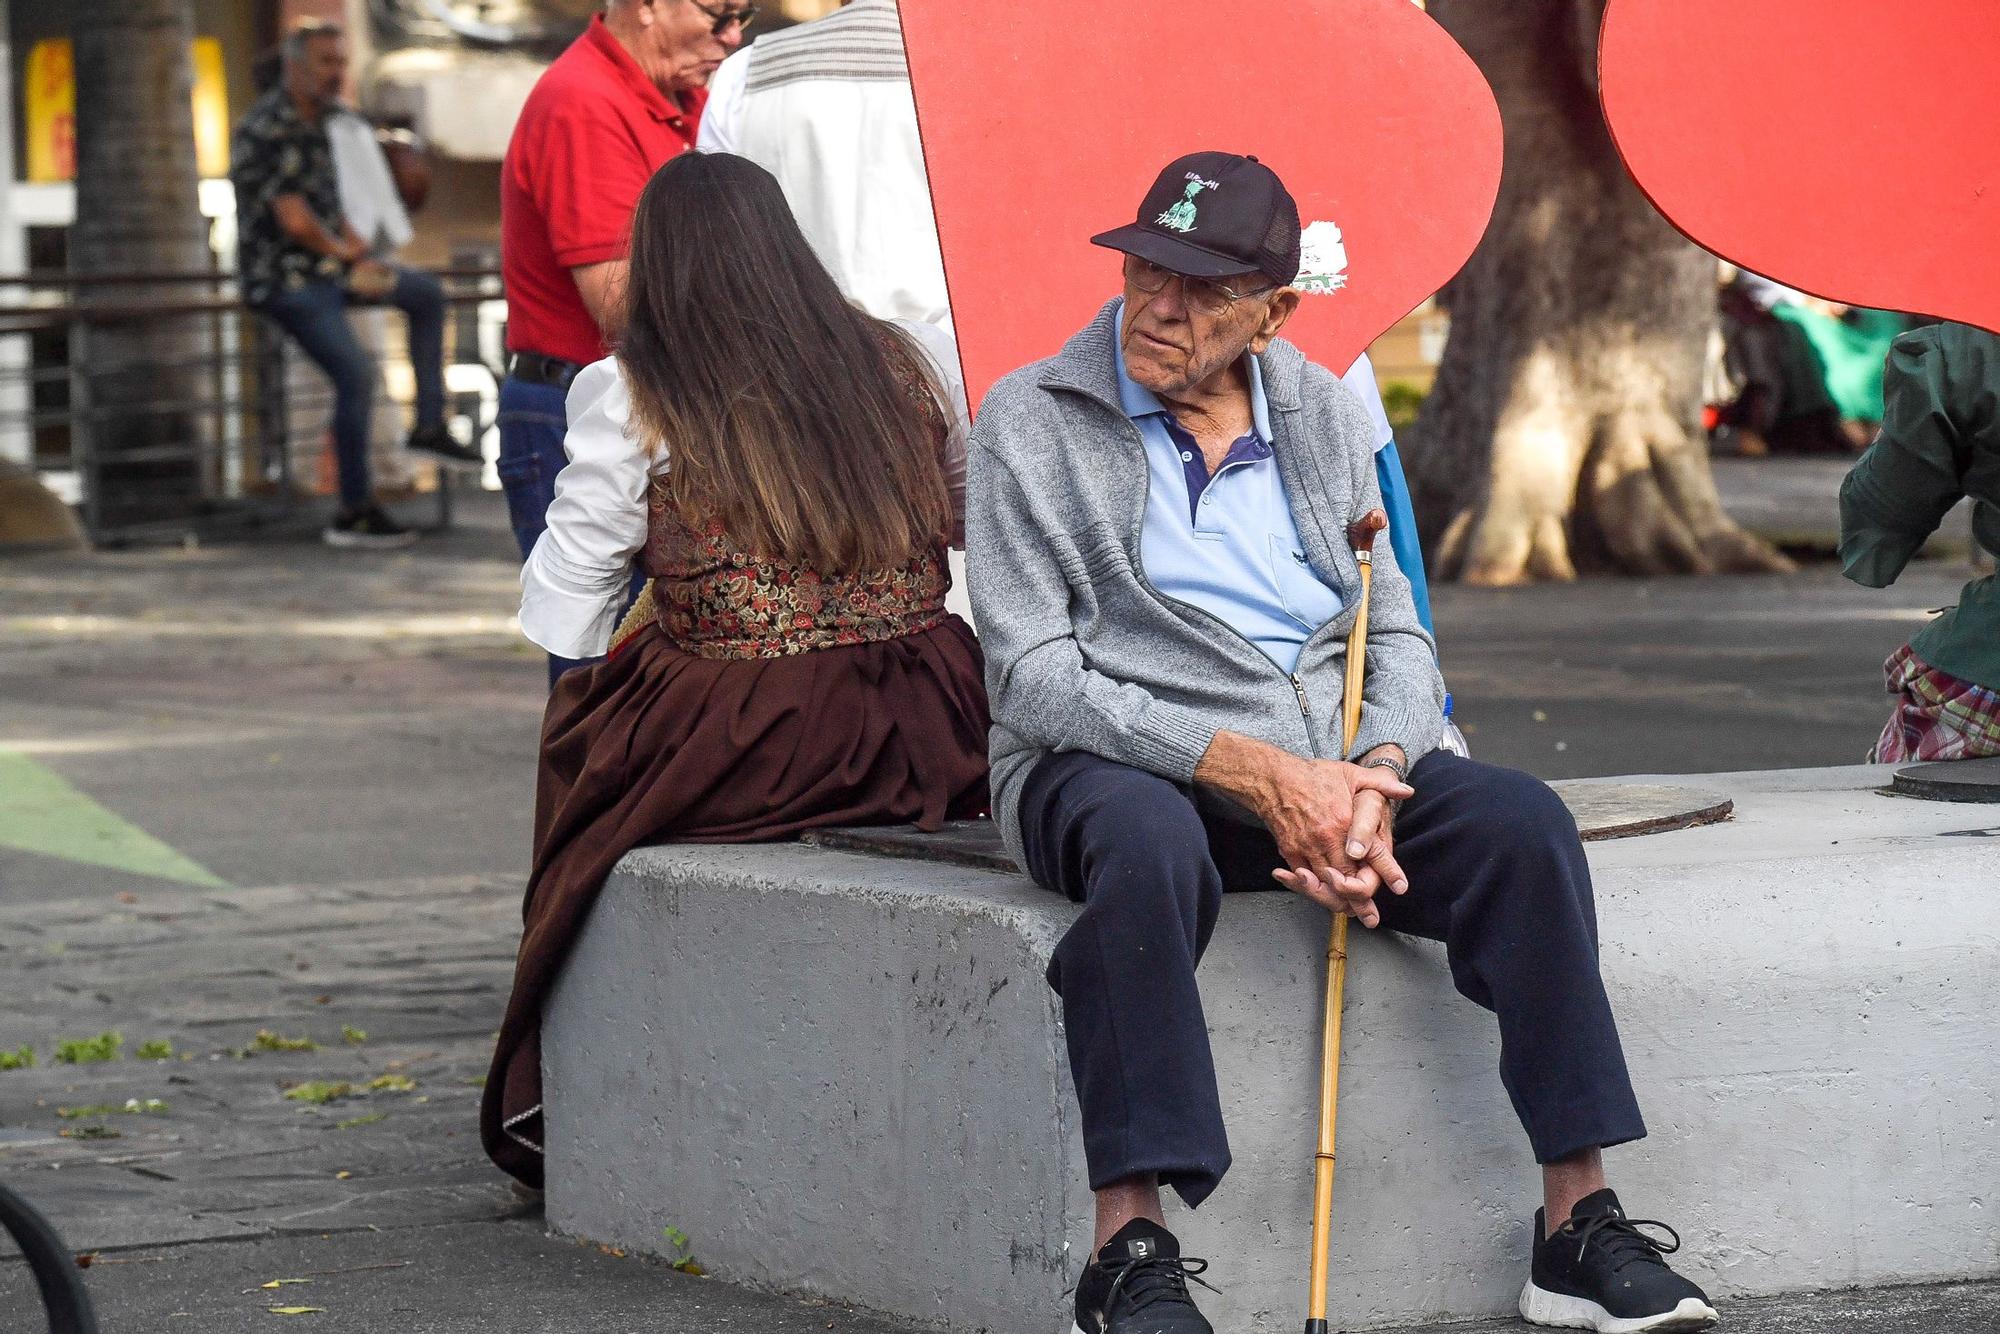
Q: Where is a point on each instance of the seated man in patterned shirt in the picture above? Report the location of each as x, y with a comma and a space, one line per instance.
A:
300, 264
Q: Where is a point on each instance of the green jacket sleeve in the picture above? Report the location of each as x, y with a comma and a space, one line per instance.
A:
1901, 489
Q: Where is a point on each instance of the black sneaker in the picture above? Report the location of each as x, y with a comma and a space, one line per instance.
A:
437, 442
1138, 1284
367, 527
1599, 1271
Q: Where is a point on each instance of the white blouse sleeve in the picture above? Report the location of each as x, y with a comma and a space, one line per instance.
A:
573, 586
941, 350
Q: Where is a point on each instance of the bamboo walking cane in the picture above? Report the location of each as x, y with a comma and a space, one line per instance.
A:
1361, 536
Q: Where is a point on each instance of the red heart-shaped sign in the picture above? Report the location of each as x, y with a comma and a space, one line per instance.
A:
1044, 123
1849, 148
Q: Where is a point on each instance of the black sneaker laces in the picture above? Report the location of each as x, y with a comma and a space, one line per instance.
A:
1155, 1279
1622, 1241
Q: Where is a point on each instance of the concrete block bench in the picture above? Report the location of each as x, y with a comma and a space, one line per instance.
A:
843, 1075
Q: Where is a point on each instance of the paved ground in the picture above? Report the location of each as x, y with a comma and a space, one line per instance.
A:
1680, 676
279, 713
1795, 501
233, 1173
271, 788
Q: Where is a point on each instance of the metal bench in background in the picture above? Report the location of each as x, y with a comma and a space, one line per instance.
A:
212, 444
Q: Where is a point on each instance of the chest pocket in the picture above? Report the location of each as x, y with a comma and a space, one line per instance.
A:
1305, 599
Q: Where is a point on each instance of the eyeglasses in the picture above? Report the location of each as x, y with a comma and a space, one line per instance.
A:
1204, 296
745, 15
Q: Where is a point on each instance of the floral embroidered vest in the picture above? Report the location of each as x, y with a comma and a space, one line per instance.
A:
716, 600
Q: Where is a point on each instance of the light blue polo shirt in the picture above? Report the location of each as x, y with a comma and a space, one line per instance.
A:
1226, 544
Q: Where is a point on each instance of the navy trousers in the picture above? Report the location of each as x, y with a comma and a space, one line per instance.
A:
1496, 872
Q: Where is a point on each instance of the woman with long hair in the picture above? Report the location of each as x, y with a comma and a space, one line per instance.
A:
788, 471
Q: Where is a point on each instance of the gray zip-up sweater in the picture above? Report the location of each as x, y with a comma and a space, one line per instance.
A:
1083, 653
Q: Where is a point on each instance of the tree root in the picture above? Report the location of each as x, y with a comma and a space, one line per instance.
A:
1643, 504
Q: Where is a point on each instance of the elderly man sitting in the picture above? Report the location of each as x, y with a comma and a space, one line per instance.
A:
1158, 519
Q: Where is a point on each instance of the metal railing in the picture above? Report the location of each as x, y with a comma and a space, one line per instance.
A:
177, 415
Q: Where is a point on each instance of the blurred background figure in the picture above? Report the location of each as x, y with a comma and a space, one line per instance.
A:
1940, 443
1799, 375
826, 108
624, 98
1403, 536
302, 261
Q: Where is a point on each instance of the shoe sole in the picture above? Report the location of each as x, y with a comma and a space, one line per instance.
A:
451, 461
1539, 1306
367, 541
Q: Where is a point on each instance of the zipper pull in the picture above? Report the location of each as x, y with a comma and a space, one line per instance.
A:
1305, 705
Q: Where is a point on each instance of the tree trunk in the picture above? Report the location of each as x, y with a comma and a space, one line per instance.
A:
1564, 430
138, 210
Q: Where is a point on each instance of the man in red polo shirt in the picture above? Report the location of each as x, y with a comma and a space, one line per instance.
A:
624, 98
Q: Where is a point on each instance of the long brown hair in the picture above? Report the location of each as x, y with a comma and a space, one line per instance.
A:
775, 399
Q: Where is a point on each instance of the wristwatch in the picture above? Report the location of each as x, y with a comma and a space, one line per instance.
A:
1392, 764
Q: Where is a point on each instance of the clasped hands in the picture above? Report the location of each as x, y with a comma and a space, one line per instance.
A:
1333, 821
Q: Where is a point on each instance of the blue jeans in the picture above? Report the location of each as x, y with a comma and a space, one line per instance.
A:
531, 454
315, 315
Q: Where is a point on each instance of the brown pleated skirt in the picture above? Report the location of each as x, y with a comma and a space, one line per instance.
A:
659, 746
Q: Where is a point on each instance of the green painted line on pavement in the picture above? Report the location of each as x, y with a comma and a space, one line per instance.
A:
41, 812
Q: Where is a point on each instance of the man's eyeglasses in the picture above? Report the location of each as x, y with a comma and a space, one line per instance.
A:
724, 17
1204, 296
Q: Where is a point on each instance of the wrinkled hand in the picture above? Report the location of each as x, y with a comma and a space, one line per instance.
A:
1332, 823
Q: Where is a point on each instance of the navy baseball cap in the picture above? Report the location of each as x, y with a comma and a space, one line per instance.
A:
1210, 215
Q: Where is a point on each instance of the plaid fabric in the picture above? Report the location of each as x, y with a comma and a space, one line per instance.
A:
1937, 717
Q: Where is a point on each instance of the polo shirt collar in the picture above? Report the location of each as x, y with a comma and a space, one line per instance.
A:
657, 103
1137, 401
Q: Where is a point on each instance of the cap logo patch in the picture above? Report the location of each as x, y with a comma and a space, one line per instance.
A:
1180, 217
1322, 260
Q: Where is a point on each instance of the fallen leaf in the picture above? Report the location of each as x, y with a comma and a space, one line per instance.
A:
392, 1083
295, 1310
128, 897
86, 1260
342, 1176
281, 1282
